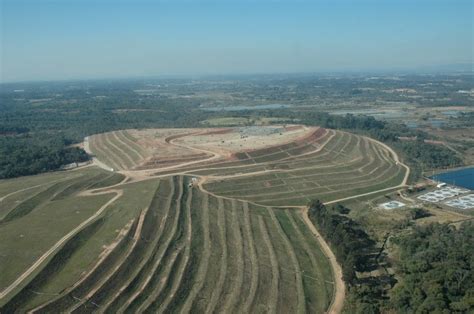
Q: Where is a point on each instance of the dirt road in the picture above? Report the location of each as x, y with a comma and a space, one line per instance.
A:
339, 286
58, 244
35, 186
396, 158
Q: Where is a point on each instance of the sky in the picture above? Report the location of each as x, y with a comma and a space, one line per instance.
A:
80, 39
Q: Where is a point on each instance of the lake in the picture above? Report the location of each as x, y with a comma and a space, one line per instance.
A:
462, 177
244, 107
437, 123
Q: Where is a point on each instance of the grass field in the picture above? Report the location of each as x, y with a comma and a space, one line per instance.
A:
146, 240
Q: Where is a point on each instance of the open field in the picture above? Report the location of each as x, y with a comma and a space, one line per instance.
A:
208, 220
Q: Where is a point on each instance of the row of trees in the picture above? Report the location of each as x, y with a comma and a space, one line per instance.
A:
349, 242
356, 252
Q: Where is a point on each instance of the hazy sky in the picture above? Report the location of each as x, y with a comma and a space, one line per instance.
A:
66, 39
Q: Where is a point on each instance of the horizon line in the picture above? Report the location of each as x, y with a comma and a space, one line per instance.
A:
465, 68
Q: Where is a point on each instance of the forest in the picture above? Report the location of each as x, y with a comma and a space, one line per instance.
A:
437, 270
22, 156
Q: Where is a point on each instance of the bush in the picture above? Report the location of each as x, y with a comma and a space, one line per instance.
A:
417, 213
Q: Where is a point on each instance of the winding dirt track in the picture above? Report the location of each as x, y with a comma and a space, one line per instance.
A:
397, 160
339, 285
38, 185
25, 189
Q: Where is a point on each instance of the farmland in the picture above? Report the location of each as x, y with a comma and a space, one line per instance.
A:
209, 220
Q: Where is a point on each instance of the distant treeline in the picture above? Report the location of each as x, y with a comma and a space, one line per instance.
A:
465, 119
12, 130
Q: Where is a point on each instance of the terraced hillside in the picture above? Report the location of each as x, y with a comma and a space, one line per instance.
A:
117, 149
189, 220
328, 165
192, 250
335, 166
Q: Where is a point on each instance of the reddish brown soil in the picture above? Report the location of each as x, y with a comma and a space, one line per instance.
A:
293, 127
173, 137
313, 137
219, 131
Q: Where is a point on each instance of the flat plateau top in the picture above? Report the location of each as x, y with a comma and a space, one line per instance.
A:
161, 148
221, 140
